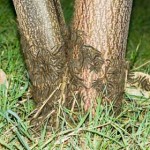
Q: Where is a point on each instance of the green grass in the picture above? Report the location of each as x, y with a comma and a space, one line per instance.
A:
139, 35
130, 130
67, 7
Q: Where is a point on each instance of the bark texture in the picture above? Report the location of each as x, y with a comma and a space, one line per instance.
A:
41, 25
83, 62
103, 25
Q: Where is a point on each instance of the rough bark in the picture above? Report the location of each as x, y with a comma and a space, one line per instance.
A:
103, 27
87, 61
41, 24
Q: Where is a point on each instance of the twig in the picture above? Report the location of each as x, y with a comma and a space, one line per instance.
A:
141, 65
44, 103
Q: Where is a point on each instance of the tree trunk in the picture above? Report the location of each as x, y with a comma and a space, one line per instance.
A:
87, 61
103, 26
41, 26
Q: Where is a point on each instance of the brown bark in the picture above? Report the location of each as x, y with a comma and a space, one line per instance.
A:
104, 26
41, 25
87, 61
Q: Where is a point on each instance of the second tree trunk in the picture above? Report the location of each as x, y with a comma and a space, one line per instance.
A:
103, 27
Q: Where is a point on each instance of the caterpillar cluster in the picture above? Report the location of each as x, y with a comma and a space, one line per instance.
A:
139, 79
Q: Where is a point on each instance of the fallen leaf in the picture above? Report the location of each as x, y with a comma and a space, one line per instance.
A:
3, 78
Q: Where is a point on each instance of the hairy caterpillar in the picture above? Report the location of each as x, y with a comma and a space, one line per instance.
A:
139, 79
138, 84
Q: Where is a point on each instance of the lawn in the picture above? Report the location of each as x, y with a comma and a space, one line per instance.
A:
129, 131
